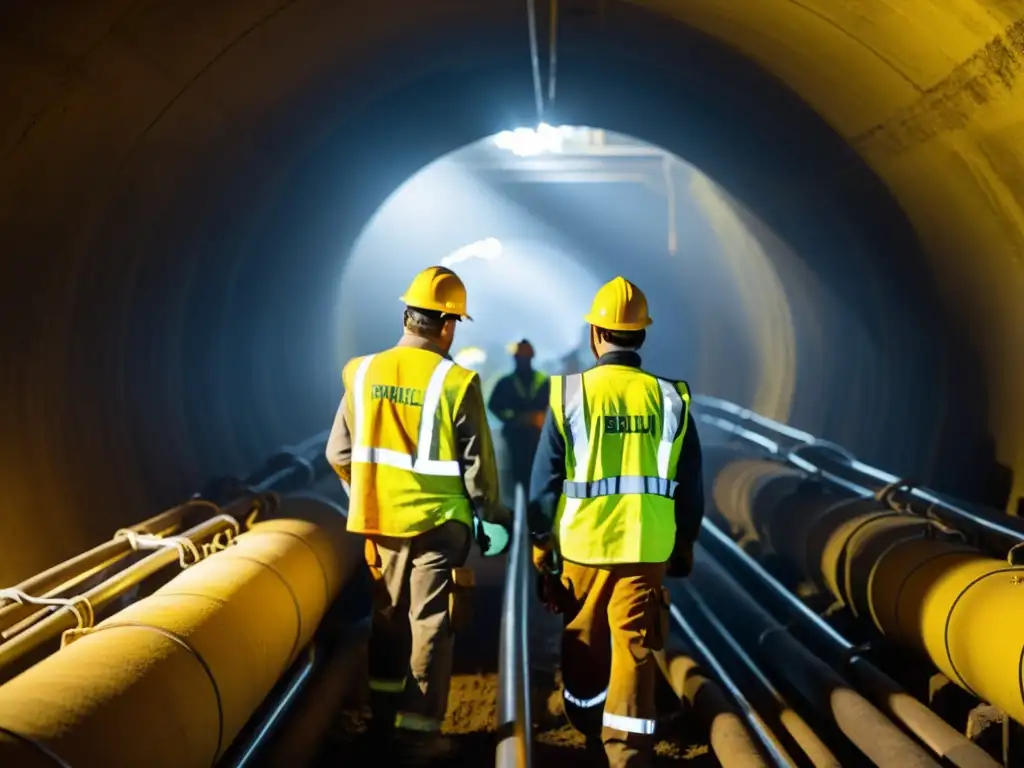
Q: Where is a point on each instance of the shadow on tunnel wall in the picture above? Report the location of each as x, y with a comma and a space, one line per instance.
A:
173, 242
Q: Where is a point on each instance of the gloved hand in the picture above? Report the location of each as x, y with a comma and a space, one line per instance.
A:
680, 564
550, 592
534, 419
492, 538
543, 554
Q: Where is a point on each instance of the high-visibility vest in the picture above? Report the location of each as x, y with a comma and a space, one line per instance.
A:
623, 431
406, 478
526, 394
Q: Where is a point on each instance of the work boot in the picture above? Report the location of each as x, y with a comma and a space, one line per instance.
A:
417, 748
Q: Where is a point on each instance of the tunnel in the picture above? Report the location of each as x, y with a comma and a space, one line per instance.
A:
181, 184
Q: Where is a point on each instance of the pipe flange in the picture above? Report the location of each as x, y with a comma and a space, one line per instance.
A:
1016, 554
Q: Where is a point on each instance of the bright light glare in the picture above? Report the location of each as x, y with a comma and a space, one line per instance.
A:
487, 249
527, 141
470, 357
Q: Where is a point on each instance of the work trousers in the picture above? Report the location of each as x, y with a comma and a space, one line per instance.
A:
613, 622
411, 636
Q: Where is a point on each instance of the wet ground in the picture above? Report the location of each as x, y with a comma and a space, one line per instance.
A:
472, 712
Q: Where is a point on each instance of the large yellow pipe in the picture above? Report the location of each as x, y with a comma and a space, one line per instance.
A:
170, 680
961, 608
925, 589
920, 586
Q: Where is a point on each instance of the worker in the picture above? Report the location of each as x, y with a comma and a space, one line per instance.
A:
616, 502
519, 401
413, 449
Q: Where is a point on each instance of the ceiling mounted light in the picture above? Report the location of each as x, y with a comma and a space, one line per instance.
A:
525, 142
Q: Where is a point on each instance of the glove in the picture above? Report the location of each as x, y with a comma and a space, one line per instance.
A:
680, 564
544, 556
540, 556
492, 538
550, 592
534, 419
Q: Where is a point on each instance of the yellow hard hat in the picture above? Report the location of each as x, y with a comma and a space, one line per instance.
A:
439, 289
521, 348
619, 306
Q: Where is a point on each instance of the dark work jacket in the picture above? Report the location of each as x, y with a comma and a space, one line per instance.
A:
507, 402
549, 471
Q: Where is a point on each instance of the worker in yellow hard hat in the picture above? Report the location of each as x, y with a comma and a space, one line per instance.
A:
412, 445
616, 503
519, 401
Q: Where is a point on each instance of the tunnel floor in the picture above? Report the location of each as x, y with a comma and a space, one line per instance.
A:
472, 706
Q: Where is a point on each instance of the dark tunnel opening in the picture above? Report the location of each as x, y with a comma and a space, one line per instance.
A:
169, 316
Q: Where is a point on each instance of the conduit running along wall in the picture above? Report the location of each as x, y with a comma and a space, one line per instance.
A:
170, 680
921, 586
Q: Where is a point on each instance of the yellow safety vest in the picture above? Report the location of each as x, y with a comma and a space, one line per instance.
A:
623, 431
406, 478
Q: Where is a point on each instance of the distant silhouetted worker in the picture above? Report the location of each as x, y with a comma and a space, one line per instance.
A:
412, 444
616, 502
519, 401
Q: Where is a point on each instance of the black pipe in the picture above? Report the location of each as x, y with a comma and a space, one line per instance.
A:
944, 740
804, 745
825, 691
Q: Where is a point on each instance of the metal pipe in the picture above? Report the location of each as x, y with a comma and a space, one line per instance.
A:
745, 414
104, 593
298, 736
730, 735
934, 732
942, 598
514, 715
202, 653
1002, 535
827, 693
88, 562
60, 580
819, 755
268, 724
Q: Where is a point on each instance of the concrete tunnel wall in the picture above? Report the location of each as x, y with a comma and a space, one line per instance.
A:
179, 179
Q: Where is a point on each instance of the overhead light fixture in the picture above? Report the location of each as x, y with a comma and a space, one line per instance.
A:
487, 249
470, 357
525, 142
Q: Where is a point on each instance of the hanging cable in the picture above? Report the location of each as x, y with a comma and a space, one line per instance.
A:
552, 50
531, 19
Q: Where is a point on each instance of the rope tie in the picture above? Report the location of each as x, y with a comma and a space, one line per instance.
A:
141, 542
189, 553
79, 605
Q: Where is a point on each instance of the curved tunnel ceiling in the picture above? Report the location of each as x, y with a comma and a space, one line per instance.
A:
173, 175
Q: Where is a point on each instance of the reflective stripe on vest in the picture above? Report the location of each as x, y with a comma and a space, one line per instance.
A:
576, 426
610, 486
588, 703
629, 724
422, 463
